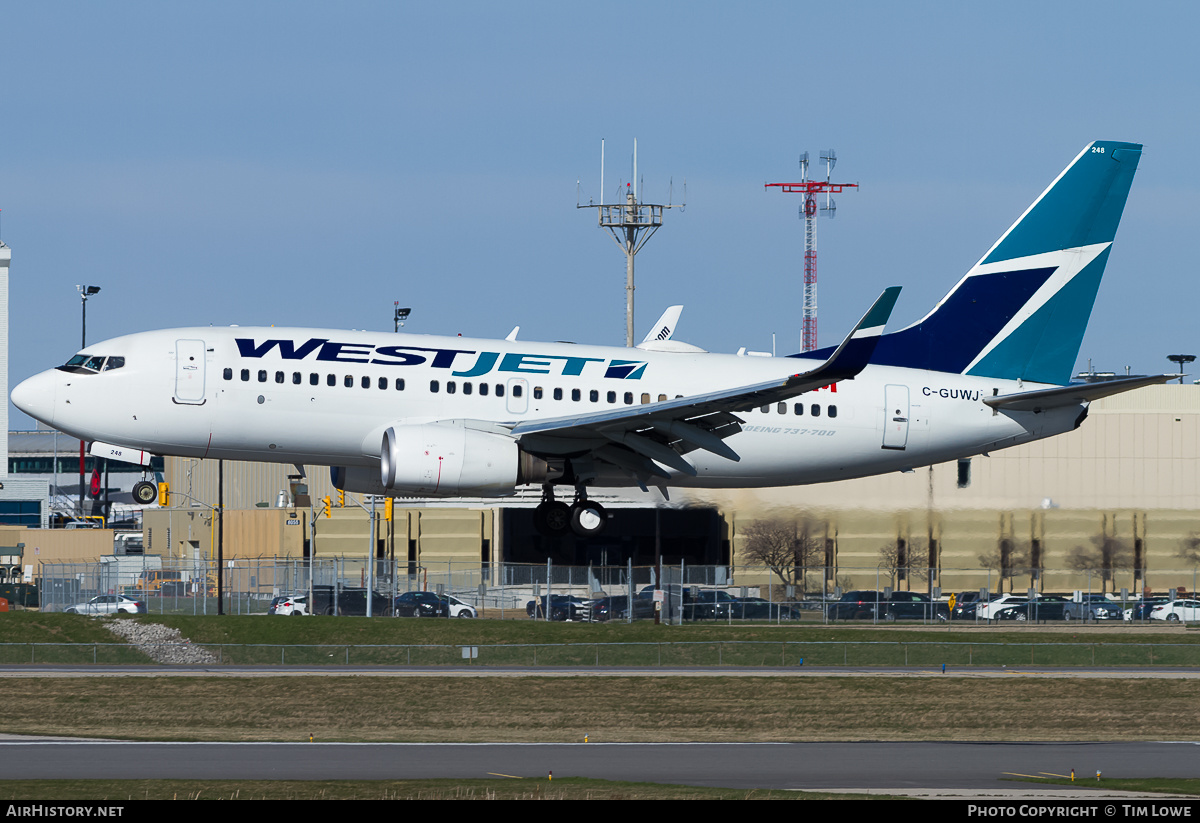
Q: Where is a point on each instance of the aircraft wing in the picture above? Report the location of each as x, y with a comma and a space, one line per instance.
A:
633, 436
1073, 394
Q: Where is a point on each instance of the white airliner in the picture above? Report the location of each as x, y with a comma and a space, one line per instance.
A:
404, 414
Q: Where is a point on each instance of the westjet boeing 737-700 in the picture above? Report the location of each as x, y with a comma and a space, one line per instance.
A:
421, 415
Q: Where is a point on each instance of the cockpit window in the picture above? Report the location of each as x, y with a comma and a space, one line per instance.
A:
90, 364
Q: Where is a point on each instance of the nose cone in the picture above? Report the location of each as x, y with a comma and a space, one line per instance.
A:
35, 396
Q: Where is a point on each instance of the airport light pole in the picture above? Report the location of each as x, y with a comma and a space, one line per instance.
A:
1181, 359
84, 293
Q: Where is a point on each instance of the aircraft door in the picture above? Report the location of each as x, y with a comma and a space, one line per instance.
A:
518, 395
189, 372
895, 417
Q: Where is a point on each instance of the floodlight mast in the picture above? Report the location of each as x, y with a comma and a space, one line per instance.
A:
810, 189
631, 224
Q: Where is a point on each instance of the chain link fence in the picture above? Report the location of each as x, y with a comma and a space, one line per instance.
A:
675, 593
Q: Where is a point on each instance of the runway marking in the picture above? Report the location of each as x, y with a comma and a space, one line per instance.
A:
513, 776
1052, 774
1018, 774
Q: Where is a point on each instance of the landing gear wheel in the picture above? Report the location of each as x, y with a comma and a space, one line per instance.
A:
588, 519
552, 518
144, 492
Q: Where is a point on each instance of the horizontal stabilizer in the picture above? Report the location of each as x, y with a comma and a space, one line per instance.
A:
1072, 395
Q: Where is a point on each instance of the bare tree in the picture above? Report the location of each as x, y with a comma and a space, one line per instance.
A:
902, 559
1106, 556
1189, 549
788, 548
1009, 559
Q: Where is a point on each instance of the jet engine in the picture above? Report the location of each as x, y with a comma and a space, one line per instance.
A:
447, 460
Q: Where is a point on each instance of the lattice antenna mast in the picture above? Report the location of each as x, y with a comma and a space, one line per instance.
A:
631, 224
808, 212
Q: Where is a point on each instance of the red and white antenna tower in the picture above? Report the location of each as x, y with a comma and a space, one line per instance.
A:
810, 189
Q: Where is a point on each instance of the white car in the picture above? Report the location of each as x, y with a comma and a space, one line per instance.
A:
459, 608
290, 604
108, 604
1186, 611
985, 611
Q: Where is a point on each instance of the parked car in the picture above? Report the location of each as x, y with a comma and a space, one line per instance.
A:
1045, 607
984, 611
1094, 607
1141, 609
108, 604
459, 608
562, 607
348, 602
616, 607
708, 604
420, 604
914, 606
859, 604
965, 604
1185, 611
756, 608
289, 604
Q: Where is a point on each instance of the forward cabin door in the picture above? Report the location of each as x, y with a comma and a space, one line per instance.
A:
189, 372
895, 417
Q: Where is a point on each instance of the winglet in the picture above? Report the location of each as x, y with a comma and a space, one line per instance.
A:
855, 352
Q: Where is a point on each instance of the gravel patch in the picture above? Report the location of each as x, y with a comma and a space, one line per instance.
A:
160, 643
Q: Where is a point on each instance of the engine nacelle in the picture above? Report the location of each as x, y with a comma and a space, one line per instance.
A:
445, 460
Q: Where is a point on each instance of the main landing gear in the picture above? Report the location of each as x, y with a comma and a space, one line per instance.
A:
584, 517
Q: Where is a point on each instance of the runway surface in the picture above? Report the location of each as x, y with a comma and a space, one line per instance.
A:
864, 765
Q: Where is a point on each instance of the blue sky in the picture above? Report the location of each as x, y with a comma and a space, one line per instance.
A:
296, 163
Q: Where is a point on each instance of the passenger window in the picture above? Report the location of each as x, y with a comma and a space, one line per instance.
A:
483, 389
798, 409
765, 410
382, 383
262, 375
833, 411
662, 398
279, 377
781, 408
228, 374
517, 390
434, 386
296, 378
314, 379
499, 389
537, 392
466, 388
366, 382
348, 382
628, 398
558, 394
451, 387
576, 395
245, 375
815, 410
612, 397
645, 398
594, 396
399, 384
331, 380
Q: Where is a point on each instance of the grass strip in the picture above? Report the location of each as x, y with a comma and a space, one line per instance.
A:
607, 709
561, 788
1159, 785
